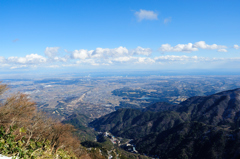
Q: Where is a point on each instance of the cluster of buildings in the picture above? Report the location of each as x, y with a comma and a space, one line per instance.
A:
126, 146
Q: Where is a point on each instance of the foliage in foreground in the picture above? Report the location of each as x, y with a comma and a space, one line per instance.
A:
28, 133
19, 148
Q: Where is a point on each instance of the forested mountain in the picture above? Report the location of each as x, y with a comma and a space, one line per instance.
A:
80, 121
200, 127
160, 106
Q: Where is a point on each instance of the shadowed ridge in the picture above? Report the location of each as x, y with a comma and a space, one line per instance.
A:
160, 106
201, 127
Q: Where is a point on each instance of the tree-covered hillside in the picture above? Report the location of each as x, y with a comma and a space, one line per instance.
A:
200, 127
26, 132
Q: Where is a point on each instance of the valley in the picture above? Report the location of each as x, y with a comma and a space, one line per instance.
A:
98, 96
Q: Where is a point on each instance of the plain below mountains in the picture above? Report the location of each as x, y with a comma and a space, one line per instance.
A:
204, 127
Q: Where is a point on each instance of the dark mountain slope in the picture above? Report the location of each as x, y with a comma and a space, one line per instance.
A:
200, 127
77, 120
218, 109
149, 122
222, 109
80, 121
132, 123
191, 140
116, 120
160, 106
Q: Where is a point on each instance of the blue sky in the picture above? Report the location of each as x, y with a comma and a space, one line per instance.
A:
119, 34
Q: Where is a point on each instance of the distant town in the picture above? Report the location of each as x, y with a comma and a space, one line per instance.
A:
97, 96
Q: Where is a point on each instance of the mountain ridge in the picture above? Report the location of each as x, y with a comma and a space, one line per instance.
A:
183, 127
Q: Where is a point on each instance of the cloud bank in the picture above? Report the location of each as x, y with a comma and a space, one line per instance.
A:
28, 59
120, 56
188, 48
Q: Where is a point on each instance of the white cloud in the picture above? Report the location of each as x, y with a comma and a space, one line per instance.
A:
103, 53
106, 53
20, 66
81, 54
168, 58
62, 59
222, 50
51, 51
178, 48
88, 61
234, 58
168, 61
28, 59
203, 45
123, 59
167, 20
141, 51
160, 60
54, 66
145, 60
236, 47
146, 14
184, 58
2, 59
69, 65
116, 52
133, 60
117, 56
191, 47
